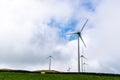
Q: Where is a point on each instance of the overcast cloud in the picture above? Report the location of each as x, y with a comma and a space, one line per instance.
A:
31, 30
104, 43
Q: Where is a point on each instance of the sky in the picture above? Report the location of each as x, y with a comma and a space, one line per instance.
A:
32, 30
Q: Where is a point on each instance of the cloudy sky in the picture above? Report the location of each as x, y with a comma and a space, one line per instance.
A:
32, 30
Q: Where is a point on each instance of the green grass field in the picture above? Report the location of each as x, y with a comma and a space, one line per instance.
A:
36, 76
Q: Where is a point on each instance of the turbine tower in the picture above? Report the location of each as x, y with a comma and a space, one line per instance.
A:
79, 36
50, 58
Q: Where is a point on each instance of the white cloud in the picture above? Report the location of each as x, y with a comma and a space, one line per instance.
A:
104, 38
26, 39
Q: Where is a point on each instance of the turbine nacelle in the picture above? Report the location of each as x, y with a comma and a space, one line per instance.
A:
83, 57
79, 33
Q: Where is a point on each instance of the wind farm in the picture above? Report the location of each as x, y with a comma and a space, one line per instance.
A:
51, 73
59, 39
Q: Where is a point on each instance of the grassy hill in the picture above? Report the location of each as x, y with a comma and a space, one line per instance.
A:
9, 74
21, 75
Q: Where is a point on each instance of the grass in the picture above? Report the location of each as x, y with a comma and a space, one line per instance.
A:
36, 76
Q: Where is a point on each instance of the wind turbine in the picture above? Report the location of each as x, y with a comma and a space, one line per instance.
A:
83, 58
79, 36
69, 69
50, 57
84, 66
83, 62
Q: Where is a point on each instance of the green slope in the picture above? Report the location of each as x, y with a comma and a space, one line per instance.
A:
36, 76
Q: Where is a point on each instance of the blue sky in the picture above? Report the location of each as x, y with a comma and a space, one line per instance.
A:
88, 5
64, 28
72, 23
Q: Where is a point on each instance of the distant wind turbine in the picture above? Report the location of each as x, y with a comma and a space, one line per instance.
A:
79, 36
83, 62
69, 69
50, 57
84, 66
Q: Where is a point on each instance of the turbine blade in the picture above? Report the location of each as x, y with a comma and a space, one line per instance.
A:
49, 57
84, 25
52, 58
85, 63
85, 57
71, 33
82, 40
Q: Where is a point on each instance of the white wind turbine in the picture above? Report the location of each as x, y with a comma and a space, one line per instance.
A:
50, 59
83, 63
69, 69
84, 66
79, 36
